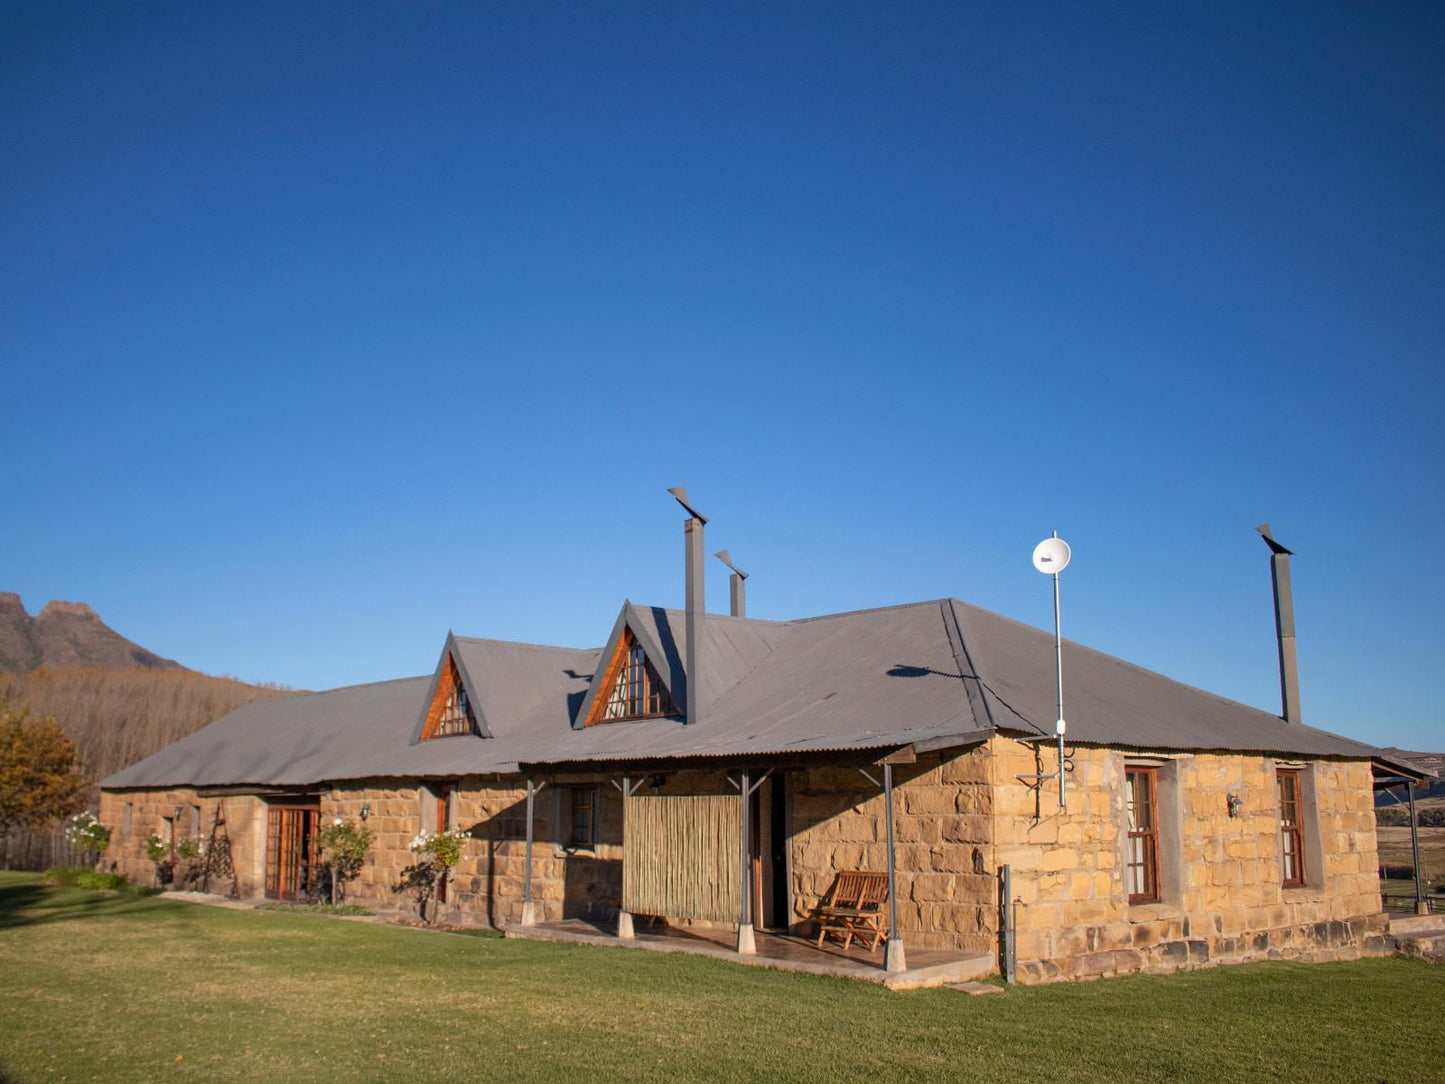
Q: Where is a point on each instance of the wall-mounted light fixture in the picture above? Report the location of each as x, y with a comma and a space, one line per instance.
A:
365, 810
1234, 801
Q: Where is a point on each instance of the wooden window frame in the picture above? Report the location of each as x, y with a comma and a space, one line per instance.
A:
450, 714
1291, 827
1147, 835
588, 797
646, 697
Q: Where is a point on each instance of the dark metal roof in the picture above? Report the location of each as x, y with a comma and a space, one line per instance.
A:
932, 674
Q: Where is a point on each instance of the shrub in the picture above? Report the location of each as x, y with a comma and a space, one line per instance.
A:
343, 846
86, 833
75, 877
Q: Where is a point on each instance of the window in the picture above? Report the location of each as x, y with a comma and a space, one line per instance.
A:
1141, 872
129, 815
451, 711
582, 824
632, 689
1291, 828
195, 822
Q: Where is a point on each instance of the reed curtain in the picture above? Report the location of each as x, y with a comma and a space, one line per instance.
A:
680, 856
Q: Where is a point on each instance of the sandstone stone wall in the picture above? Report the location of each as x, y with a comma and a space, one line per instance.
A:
943, 847
488, 884
243, 822
958, 818
1222, 899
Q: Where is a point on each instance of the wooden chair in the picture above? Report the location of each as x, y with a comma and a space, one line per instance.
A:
856, 906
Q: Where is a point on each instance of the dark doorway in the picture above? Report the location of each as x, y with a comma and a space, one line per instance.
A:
768, 827
780, 912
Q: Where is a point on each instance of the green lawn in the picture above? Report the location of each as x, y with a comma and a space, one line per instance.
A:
95, 986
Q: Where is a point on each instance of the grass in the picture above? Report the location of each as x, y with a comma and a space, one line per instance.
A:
353, 909
96, 986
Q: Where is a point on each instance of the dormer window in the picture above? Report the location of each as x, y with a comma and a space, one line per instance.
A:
456, 717
450, 713
631, 688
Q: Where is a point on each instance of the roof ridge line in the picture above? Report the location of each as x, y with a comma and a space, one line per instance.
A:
869, 610
520, 643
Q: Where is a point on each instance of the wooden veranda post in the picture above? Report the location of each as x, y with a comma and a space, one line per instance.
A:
893, 956
747, 944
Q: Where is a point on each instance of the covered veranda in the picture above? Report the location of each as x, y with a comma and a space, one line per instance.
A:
694, 866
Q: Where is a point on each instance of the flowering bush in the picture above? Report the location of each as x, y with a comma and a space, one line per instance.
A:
443, 849
436, 853
86, 833
343, 847
158, 851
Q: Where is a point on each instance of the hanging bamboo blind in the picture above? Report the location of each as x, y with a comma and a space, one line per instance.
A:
680, 856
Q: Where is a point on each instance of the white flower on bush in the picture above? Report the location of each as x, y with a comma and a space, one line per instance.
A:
441, 848
87, 833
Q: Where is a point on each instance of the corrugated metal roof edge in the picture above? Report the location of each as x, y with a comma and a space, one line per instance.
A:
1366, 752
927, 745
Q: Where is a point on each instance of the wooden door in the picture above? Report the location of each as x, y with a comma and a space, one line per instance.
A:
444, 801
291, 851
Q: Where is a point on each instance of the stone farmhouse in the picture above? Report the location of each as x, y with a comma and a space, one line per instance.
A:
719, 772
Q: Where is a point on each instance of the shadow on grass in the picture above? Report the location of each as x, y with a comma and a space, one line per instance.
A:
35, 904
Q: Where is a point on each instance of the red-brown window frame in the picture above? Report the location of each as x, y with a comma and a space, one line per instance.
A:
586, 799
1291, 828
1146, 834
450, 714
630, 664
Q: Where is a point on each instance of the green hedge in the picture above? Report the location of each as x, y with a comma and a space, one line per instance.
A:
75, 877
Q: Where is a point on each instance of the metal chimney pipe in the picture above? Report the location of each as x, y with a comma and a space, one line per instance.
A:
1284, 626
696, 603
737, 586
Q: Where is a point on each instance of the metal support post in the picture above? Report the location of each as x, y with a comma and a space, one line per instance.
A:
1421, 907
893, 956
747, 945
1006, 912
529, 905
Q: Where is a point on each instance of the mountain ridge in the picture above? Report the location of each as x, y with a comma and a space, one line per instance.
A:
67, 634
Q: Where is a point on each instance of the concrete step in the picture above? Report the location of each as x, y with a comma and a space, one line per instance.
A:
1416, 925
1423, 947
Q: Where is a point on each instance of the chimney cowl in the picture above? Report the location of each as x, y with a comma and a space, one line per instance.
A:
1284, 626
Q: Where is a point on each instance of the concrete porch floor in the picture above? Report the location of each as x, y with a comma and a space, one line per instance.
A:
926, 967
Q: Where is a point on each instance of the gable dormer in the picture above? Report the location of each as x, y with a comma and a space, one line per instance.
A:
451, 708
637, 679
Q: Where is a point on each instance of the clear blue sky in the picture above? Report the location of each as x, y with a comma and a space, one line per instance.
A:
325, 331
